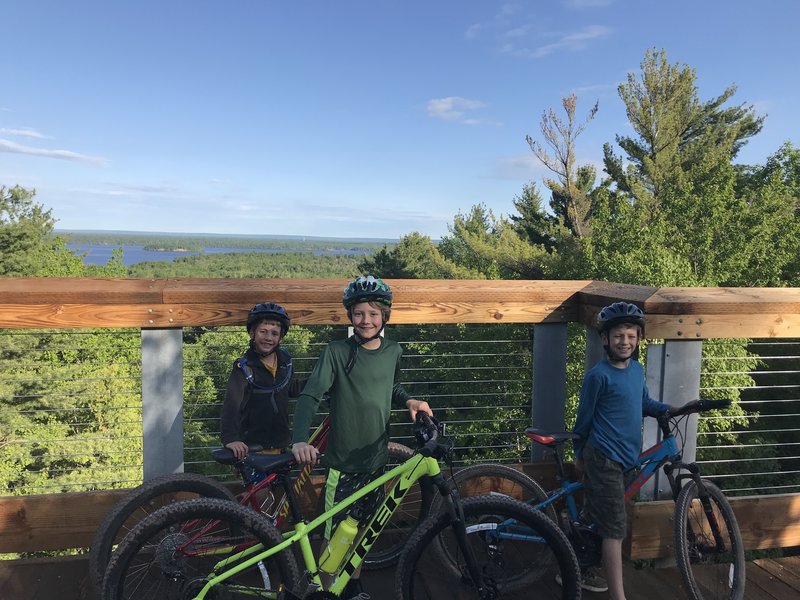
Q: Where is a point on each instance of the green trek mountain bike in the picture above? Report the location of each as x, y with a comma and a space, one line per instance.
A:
212, 548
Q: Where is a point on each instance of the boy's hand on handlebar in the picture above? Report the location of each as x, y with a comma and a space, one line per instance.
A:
305, 453
415, 406
239, 449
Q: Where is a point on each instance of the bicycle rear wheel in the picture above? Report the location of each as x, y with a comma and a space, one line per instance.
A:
483, 479
137, 504
171, 554
710, 570
508, 539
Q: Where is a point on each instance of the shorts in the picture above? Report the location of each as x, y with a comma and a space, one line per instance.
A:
604, 493
339, 485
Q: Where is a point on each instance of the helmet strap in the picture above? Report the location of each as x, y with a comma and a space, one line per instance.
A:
360, 341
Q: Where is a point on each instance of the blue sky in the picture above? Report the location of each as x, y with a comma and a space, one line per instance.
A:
362, 118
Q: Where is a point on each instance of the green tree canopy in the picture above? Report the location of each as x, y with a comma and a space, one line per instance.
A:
27, 245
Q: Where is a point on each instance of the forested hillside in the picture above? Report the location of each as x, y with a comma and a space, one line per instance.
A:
168, 241
253, 264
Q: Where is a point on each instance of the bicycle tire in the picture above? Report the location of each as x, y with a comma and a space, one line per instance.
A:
505, 564
170, 554
483, 479
138, 503
706, 573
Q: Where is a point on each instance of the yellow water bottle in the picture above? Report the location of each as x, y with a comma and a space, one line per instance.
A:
340, 543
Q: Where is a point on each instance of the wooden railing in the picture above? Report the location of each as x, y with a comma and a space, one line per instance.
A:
672, 313
676, 315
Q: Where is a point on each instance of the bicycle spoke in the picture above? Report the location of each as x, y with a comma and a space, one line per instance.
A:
174, 554
511, 566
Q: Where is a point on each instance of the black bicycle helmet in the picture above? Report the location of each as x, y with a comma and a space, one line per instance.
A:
617, 313
367, 288
268, 311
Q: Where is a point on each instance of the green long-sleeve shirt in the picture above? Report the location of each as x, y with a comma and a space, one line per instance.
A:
360, 403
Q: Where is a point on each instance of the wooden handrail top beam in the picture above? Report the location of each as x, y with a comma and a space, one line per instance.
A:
64, 290
672, 313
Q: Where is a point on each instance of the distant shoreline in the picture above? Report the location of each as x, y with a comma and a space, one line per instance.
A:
127, 236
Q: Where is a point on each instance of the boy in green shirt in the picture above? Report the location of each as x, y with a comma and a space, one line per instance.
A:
361, 377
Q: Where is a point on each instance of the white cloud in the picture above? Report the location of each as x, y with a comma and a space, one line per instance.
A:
602, 89
570, 42
23, 132
579, 4
147, 189
519, 167
473, 31
8, 146
455, 108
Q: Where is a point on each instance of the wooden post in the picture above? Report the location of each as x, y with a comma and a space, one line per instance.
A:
549, 380
162, 401
673, 377
595, 352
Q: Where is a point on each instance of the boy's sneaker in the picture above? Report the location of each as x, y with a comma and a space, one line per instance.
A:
590, 581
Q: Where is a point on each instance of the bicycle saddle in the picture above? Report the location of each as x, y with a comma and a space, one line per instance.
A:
226, 457
550, 438
266, 463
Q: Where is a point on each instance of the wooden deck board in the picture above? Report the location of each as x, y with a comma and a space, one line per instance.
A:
65, 578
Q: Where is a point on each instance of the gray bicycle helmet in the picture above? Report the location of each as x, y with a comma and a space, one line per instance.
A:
268, 311
617, 313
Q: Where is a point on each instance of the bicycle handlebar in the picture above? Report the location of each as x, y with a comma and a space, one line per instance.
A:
427, 430
698, 406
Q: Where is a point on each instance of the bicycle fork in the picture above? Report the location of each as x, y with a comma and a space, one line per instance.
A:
458, 524
702, 495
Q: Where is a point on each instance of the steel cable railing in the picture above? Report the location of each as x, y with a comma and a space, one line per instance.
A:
70, 402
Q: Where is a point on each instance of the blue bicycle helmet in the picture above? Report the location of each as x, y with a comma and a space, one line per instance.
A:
618, 313
268, 311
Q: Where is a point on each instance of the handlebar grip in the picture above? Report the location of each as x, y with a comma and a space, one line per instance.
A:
708, 404
702, 405
427, 434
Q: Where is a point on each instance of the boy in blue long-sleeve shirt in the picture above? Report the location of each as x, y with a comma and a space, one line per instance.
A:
613, 401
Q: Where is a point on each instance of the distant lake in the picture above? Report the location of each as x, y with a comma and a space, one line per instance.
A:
97, 254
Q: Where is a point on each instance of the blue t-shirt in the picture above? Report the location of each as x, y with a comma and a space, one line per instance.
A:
612, 404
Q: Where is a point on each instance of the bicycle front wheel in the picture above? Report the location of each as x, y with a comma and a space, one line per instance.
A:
171, 555
508, 539
140, 502
708, 546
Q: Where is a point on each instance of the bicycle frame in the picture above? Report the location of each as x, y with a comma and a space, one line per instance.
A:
319, 439
406, 475
651, 460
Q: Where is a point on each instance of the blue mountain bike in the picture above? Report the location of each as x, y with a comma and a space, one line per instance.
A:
708, 544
